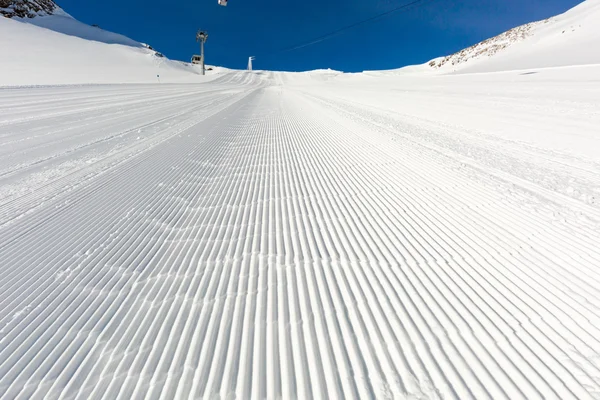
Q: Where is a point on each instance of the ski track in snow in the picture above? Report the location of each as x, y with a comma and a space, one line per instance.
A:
246, 239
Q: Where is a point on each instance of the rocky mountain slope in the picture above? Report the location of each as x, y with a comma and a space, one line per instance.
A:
489, 47
27, 8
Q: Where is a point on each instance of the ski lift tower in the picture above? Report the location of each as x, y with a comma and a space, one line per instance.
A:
250, 63
201, 37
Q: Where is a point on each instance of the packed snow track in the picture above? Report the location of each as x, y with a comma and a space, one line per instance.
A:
257, 237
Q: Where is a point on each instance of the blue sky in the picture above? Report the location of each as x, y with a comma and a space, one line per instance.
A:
261, 28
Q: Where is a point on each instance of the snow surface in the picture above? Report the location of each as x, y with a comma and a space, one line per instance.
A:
294, 235
273, 236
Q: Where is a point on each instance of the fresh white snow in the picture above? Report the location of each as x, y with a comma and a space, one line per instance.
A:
295, 235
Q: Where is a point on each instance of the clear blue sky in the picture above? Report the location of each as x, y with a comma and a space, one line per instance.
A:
253, 27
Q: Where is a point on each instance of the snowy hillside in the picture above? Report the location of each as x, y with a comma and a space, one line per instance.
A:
56, 19
48, 47
69, 26
565, 40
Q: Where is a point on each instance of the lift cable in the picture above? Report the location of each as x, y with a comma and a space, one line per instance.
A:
339, 31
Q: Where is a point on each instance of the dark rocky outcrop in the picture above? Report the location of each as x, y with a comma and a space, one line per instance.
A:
27, 8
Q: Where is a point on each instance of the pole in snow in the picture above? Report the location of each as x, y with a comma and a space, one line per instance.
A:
250, 63
201, 37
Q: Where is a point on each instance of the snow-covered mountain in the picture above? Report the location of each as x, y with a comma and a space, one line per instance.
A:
565, 40
47, 14
42, 45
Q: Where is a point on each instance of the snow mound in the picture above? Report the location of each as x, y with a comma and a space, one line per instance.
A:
310, 77
327, 71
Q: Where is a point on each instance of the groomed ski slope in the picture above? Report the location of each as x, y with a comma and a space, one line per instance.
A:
297, 236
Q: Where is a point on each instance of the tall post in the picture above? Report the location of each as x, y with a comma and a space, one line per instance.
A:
202, 57
201, 37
